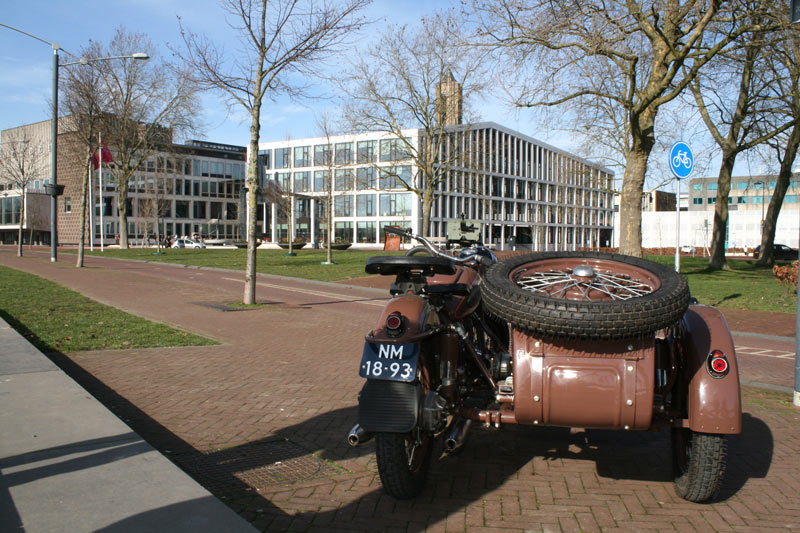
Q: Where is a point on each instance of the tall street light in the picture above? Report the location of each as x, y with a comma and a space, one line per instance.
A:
52, 188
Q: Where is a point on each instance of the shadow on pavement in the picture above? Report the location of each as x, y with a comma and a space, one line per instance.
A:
488, 460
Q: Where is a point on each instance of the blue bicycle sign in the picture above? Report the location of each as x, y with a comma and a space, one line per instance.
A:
681, 160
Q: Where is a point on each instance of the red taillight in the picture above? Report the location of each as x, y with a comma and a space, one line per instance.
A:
717, 364
394, 324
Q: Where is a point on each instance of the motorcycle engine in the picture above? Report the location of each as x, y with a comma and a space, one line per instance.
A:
500, 365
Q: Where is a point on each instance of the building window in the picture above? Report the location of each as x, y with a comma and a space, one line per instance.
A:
366, 151
321, 180
741, 199
343, 206
742, 185
365, 205
772, 184
67, 204
343, 180
344, 153
697, 186
343, 231
322, 155
281, 158
791, 198
282, 178
393, 205
302, 181
712, 186
393, 150
181, 209
711, 200
302, 156
365, 232
365, 178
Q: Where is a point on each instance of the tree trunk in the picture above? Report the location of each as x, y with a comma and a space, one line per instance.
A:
21, 220
329, 223
122, 208
766, 256
249, 297
720, 231
82, 234
427, 202
630, 213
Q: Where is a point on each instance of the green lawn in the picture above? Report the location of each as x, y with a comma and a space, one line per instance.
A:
54, 318
745, 286
306, 264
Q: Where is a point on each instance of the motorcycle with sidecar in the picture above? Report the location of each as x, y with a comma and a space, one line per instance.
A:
571, 339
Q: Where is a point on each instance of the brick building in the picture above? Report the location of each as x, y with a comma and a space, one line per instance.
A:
187, 188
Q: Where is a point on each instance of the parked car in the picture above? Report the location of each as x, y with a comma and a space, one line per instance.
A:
779, 251
187, 243
686, 249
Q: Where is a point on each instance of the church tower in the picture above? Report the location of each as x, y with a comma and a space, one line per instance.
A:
449, 98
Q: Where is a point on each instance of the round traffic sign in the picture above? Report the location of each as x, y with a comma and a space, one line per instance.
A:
681, 160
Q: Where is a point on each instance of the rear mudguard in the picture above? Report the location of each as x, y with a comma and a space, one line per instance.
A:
391, 406
714, 404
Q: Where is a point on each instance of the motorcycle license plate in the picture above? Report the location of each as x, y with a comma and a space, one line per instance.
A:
393, 362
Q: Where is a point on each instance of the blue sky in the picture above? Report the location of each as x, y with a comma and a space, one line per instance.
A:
25, 65
26, 72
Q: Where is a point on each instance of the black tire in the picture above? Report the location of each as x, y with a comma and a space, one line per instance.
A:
403, 477
698, 464
592, 318
419, 250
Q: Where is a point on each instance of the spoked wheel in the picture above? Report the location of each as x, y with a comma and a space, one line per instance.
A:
698, 463
403, 462
585, 295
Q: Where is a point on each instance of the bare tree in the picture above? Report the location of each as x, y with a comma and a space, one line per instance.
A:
417, 78
733, 97
278, 39
82, 101
785, 71
623, 59
20, 164
145, 104
328, 160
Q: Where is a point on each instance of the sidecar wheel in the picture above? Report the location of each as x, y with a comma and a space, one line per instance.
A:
403, 462
698, 463
585, 295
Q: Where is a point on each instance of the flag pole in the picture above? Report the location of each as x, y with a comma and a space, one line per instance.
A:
102, 203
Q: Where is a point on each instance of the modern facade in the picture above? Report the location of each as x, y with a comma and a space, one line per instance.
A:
748, 193
526, 193
748, 201
192, 188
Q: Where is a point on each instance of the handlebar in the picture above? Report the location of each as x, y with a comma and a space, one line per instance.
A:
481, 260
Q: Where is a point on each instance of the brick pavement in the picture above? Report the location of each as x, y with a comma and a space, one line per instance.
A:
279, 394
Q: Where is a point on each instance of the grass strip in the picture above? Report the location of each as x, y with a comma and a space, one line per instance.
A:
55, 318
306, 264
744, 286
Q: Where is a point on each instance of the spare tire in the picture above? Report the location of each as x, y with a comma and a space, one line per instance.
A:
585, 295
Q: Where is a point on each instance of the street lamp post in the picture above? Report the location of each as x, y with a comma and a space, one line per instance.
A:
53, 189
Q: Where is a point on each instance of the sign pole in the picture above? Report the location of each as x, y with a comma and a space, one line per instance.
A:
681, 163
678, 226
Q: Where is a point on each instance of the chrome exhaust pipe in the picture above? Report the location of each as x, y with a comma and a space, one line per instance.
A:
358, 436
457, 435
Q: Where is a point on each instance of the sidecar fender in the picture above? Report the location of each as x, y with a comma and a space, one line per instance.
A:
389, 406
714, 403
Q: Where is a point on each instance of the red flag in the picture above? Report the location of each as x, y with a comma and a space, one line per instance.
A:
105, 156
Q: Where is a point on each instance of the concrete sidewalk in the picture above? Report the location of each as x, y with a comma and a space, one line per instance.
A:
69, 464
